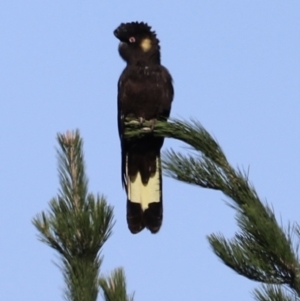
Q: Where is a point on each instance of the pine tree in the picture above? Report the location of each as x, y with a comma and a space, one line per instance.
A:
261, 250
77, 226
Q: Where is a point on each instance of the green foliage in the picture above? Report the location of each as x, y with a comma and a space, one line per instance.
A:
77, 223
274, 293
114, 287
261, 250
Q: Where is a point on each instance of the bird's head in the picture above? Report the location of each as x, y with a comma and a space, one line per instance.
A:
138, 43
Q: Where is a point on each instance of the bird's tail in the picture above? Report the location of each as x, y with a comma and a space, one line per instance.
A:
144, 203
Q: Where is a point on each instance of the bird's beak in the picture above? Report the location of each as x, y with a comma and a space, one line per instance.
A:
119, 32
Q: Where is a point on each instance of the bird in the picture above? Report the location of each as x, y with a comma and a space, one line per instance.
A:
145, 93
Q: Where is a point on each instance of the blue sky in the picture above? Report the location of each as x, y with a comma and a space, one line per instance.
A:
236, 68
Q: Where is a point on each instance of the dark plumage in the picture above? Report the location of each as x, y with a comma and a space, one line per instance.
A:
145, 92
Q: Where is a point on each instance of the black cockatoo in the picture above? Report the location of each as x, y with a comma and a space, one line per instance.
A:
145, 92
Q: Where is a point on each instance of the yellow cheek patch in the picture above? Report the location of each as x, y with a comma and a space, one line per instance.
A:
146, 44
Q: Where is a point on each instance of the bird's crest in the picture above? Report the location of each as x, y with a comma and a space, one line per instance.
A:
127, 30
137, 32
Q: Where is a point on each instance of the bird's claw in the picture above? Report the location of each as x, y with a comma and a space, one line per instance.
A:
152, 123
140, 121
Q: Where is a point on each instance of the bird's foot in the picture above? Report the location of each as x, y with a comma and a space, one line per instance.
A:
134, 122
141, 120
151, 127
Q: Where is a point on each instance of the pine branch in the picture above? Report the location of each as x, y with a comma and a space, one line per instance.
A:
114, 287
273, 293
193, 134
77, 224
261, 251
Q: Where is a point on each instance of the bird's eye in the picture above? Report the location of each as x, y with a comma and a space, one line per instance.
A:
132, 39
